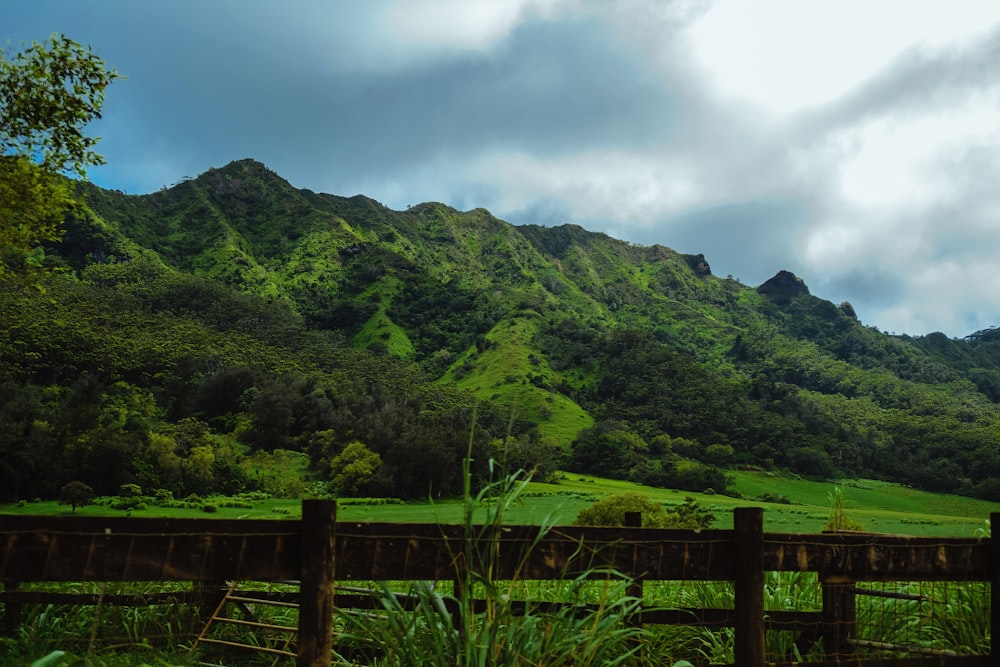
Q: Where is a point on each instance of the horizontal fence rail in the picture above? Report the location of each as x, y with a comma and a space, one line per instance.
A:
99, 549
318, 551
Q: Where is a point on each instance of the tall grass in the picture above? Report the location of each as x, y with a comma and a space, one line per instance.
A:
485, 621
100, 635
943, 617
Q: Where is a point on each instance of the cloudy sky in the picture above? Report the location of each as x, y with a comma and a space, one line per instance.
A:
853, 142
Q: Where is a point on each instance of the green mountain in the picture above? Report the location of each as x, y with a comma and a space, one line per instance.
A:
227, 332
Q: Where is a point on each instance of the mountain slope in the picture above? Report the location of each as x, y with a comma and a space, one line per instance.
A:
584, 351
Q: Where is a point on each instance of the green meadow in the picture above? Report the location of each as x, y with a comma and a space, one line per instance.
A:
881, 507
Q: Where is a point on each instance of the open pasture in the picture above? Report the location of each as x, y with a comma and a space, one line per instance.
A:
881, 507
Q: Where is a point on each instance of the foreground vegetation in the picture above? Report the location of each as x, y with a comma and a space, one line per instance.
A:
437, 622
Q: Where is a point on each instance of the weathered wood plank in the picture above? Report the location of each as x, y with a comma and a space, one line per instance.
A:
429, 551
872, 557
119, 549
94, 549
107, 599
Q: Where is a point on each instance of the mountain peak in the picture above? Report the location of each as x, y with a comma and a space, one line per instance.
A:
698, 264
245, 179
247, 164
783, 287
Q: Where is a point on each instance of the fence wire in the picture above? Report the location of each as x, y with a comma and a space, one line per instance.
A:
923, 618
886, 620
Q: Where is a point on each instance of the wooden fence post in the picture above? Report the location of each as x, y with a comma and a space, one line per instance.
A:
634, 520
748, 530
839, 617
316, 592
994, 589
208, 596
11, 609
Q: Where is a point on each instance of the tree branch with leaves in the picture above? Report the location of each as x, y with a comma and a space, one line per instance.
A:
49, 93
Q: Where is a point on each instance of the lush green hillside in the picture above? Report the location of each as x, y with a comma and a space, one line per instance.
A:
185, 339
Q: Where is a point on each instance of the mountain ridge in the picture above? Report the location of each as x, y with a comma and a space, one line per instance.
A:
340, 320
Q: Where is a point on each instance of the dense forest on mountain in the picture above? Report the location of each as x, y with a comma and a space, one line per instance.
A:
234, 333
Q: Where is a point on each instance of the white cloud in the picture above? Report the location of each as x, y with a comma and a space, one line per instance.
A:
852, 141
897, 162
954, 297
613, 186
789, 54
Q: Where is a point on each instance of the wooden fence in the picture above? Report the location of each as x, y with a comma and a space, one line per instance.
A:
318, 551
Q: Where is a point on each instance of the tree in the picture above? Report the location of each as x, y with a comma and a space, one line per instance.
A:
32, 205
198, 473
353, 468
608, 448
48, 93
541, 457
76, 494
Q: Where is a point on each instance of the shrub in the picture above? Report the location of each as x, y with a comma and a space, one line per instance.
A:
369, 501
611, 511
690, 514
163, 497
838, 515
130, 491
128, 503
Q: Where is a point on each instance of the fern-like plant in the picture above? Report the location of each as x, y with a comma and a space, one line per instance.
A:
839, 520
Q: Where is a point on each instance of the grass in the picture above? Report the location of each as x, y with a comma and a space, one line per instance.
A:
502, 373
880, 506
452, 629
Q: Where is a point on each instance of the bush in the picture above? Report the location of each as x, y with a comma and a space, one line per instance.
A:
369, 501
690, 514
611, 511
130, 491
209, 508
129, 503
163, 497
838, 514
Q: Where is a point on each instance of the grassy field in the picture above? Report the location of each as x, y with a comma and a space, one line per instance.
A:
880, 506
